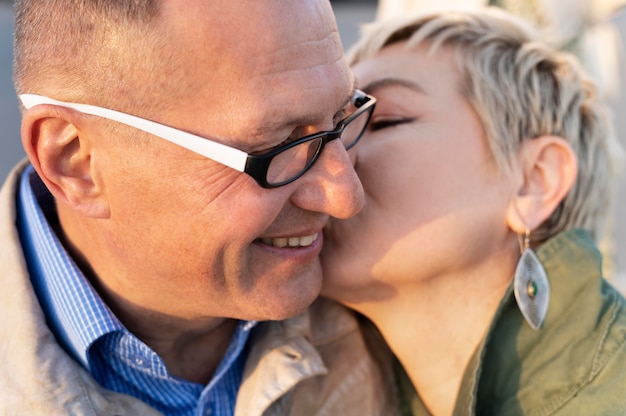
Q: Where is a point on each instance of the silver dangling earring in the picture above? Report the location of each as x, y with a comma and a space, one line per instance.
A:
531, 286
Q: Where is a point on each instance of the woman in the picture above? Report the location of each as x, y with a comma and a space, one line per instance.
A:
484, 145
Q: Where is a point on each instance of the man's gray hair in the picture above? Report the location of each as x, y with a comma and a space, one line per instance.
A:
77, 47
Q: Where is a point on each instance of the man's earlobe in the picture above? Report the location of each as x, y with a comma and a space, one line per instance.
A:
62, 156
548, 167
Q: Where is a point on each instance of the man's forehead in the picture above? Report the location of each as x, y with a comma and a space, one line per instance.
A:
259, 66
226, 43
251, 22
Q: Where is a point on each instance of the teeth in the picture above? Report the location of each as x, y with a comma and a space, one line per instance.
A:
281, 242
308, 240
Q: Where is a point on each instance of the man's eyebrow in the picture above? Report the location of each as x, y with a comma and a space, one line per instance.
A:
300, 121
373, 86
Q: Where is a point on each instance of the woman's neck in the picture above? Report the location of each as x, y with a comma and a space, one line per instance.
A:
435, 327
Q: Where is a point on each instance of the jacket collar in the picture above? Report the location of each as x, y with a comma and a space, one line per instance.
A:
281, 356
531, 371
40, 377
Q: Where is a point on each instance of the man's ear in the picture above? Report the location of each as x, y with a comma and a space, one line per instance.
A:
548, 167
62, 155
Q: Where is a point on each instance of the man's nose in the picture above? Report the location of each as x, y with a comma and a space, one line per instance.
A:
331, 186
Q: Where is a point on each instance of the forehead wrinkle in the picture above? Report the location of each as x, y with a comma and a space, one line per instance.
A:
315, 74
284, 83
304, 54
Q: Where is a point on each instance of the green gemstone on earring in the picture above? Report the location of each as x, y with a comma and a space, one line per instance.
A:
531, 289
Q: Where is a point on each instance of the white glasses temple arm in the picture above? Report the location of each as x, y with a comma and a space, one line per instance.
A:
218, 152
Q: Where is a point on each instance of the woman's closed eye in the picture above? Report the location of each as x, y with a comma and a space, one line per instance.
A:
379, 123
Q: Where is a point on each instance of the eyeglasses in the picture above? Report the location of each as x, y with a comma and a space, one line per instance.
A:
275, 168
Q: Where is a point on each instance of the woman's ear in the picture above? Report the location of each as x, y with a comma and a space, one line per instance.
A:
548, 168
63, 157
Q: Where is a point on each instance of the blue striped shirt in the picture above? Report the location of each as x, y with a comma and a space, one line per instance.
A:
93, 335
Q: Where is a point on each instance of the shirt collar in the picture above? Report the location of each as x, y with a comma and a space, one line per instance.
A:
75, 312
79, 319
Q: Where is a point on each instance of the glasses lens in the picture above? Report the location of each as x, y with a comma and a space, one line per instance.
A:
293, 161
355, 127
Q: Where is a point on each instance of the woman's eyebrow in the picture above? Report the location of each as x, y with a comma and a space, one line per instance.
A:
373, 86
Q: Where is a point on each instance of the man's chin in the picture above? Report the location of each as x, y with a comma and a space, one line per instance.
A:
285, 305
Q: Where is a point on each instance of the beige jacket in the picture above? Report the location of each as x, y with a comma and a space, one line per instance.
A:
314, 364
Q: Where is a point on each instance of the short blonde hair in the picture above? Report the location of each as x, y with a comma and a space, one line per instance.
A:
521, 89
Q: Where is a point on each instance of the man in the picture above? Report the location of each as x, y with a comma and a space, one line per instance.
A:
170, 205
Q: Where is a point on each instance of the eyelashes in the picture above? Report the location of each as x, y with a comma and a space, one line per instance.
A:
385, 123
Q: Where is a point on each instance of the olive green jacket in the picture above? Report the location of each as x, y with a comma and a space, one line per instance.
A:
574, 365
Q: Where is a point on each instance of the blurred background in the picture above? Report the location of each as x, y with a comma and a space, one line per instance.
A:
593, 29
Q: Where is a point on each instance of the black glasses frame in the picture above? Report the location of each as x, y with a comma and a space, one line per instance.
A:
257, 166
